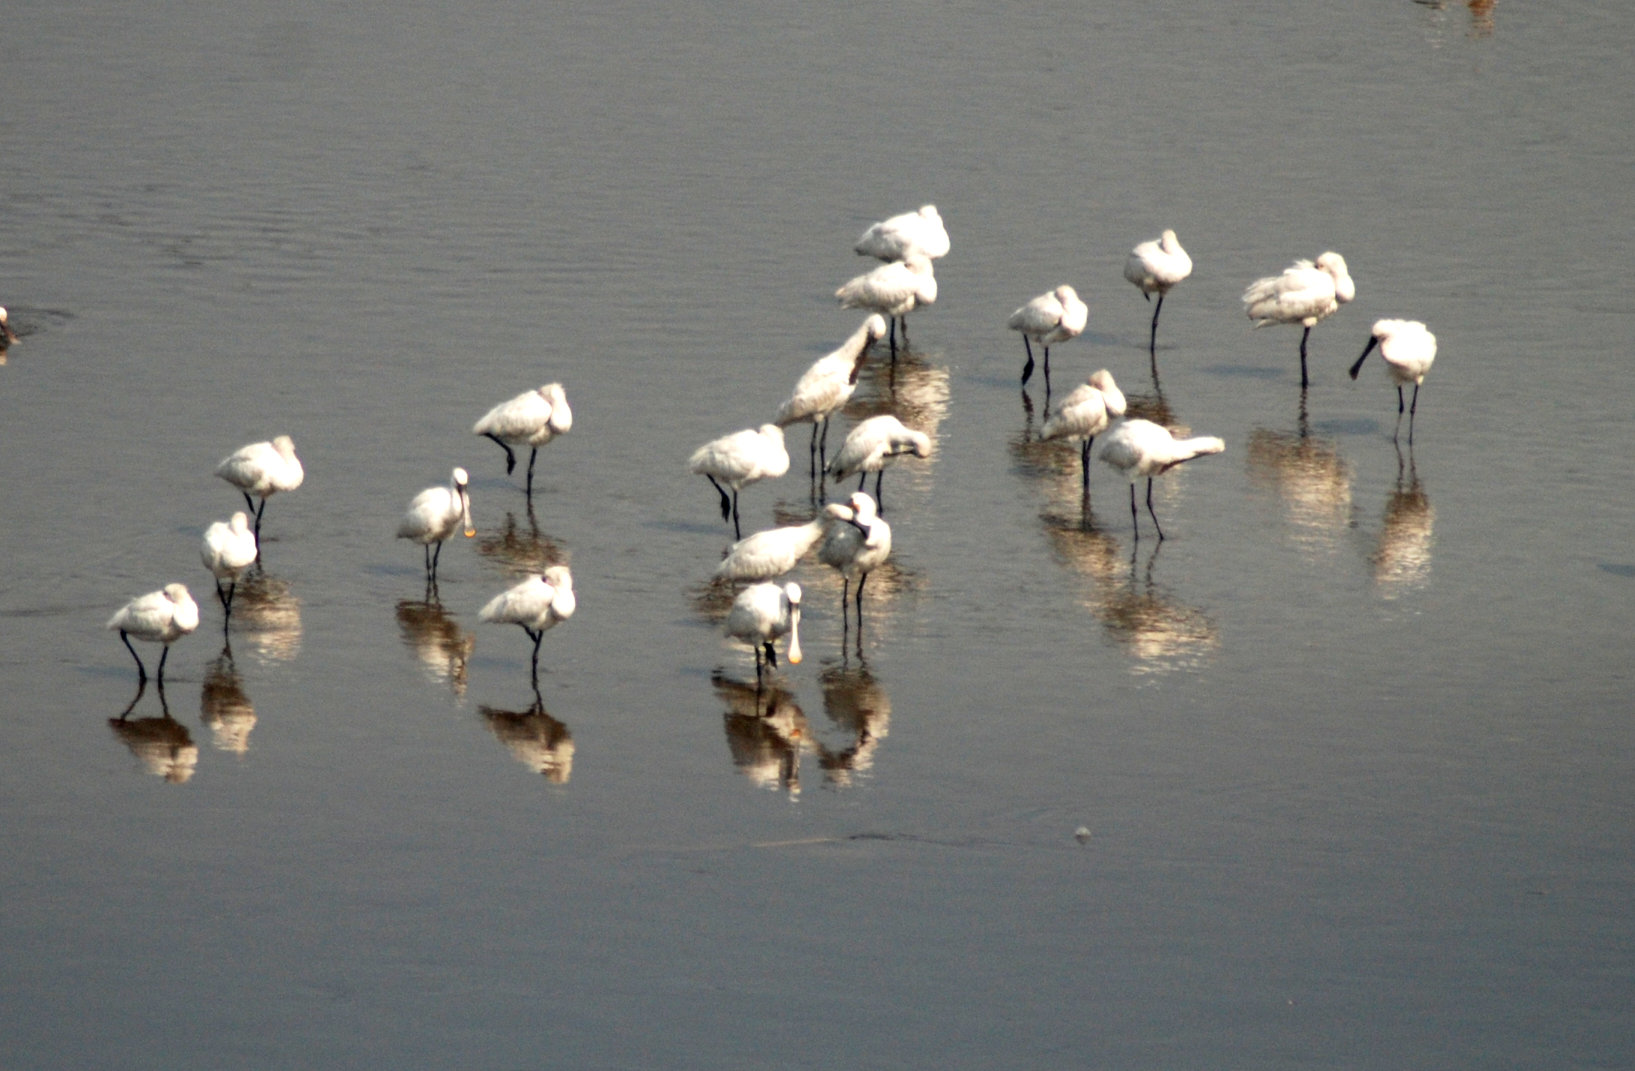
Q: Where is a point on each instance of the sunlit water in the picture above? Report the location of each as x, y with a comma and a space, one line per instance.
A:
1351, 747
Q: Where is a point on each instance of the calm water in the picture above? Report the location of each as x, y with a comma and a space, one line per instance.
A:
1352, 749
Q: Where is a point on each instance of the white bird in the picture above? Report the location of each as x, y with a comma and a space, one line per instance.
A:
260, 470
7, 335
1155, 267
770, 553
875, 443
1408, 348
738, 460
1053, 317
435, 514
893, 290
858, 541
911, 232
163, 616
825, 388
1140, 448
1087, 411
1304, 294
227, 550
760, 614
532, 419
538, 604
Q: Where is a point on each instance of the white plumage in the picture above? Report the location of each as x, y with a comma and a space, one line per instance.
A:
875, 443
1155, 267
1140, 448
858, 541
761, 614
825, 388
532, 419
1087, 411
920, 232
228, 548
893, 290
1052, 317
1305, 293
1408, 348
735, 461
162, 616
537, 604
437, 513
771, 553
261, 470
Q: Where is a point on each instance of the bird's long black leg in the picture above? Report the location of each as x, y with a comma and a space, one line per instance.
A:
1027, 369
1047, 376
879, 500
737, 533
726, 501
531, 455
1155, 523
1135, 518
141, 670
436, 556
159, 673
812, 450
537, 636
891, 336
823, 445
1084, 463
510, 458
1303, 336
1152, 342
858, 601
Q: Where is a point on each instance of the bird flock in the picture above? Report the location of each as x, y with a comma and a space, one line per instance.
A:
850, 536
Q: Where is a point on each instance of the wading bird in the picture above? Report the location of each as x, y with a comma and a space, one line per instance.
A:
532, 419
738, 460
227, 550
760, 614
1408, 348
537, 604
825, 388
874, 444
261, 470
1140, 448
435, 514
1053, 317
1304, 294
163, 616
893, 290
1155, 267
770, 553
858, 541
1087, 411
911, 232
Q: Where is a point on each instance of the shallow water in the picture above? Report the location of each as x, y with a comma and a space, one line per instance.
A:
1350, 749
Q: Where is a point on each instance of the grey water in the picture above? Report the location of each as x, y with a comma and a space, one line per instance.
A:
1337, 775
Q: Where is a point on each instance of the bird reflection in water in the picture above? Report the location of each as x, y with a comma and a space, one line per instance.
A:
267, 613
1401, 556
766, 732
437, 640
161, 744
224, 707
1309, 477
916, 393
520, 546
1142, 616
860, 708
533, 738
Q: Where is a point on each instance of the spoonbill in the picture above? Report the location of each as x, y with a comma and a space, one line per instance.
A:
1140, 448
1304, 294
162, 616
1085, 413
760, 614
893, 290
1053, 317
1408, 348
538, 604
7, 335
857, 542
1155, 267
738, 460
825, 388
435, 514
227, 550
772, 552
920, 231
262, 470
532, 419
875, 443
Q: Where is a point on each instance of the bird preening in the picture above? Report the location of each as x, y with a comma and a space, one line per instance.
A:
538, 604
735, 461
1304, 294
1155, 267
532, 419
162, 617
1049, 318
261, 470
